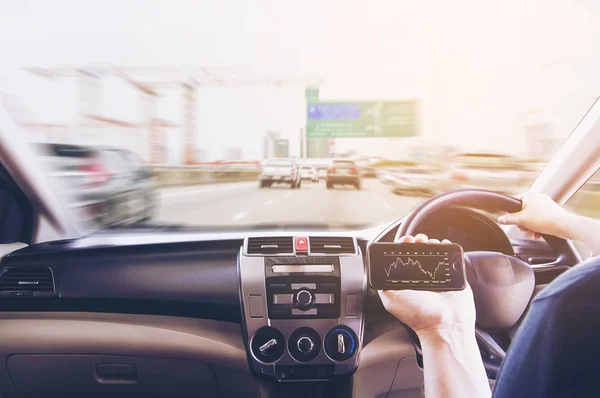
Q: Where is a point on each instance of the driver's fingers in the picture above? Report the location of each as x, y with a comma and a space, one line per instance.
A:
446, 241
421, 238
432, 240
534, 235
407, 239
530, 233
508, 219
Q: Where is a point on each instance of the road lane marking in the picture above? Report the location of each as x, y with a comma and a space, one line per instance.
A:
195, 191
240, 215
218, 187
270, 201
388, 206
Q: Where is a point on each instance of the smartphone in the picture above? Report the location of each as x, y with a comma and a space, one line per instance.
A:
420, 266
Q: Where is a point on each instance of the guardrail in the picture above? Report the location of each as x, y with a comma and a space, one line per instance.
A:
184, 176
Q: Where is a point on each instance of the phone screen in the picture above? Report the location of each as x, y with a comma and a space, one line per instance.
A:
423, 266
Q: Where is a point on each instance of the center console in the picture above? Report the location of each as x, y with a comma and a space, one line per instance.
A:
302, 306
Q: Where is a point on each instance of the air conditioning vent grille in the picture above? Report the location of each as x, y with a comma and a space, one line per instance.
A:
332, 245
30, 281
270, 245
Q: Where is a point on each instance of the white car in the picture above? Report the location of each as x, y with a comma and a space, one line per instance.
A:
309, 173
280, 171
386, 176
322, 173
495, 172
416, 180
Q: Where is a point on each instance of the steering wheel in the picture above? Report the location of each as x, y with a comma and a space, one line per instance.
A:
502, 285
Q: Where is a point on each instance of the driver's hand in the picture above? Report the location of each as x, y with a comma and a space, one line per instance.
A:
540, 215
425, 310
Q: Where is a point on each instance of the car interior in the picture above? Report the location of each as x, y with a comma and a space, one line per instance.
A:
273, 313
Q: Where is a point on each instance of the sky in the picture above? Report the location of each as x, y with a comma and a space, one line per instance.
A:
480, 69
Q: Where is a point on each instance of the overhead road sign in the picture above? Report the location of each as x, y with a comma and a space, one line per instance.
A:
387, 119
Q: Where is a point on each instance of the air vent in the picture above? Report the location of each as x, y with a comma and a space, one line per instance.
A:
271, 245
331, 245
27, 282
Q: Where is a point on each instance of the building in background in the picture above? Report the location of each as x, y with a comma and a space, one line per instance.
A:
317, 148
269, 144
281, 148
202, 155
232, 153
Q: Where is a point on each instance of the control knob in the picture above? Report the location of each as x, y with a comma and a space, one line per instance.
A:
267, 345
304, 299
341, 343
305, 345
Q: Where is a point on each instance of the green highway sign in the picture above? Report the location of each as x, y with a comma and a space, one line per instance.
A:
311, 94
387, 119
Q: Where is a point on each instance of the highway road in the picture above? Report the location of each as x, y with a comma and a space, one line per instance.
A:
244, 203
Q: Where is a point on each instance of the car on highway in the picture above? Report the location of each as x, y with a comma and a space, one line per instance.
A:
280, 171
416, 180
368, 172
110, 185
498, 172
342, 172
309, 173
386, 175
322, 172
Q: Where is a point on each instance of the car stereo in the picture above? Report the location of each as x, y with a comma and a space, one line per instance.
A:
302, 310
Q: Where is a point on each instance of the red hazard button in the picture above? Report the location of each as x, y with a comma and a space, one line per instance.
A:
301, 244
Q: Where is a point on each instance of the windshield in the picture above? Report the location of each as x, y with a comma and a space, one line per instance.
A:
196, 113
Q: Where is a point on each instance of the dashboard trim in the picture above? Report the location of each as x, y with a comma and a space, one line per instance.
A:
295, 253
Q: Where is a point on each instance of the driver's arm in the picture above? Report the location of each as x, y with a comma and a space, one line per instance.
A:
452, 364
540, 214
445, 324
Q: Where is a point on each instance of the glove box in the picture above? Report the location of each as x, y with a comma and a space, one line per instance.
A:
110, 376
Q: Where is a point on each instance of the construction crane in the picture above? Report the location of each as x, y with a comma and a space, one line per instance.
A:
150, 80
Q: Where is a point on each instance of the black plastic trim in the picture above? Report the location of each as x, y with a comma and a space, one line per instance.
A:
27, 221
192, 279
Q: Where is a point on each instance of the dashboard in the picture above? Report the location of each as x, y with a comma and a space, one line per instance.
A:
282, 307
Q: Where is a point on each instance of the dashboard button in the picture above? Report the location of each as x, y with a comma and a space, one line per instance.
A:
312, 311
324, 298
296, 286
255, 304
283, 298
301, 244
351, 305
